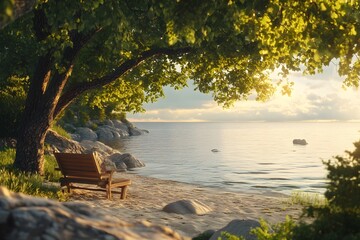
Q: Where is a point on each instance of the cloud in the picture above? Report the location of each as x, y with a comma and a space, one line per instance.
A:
313, 98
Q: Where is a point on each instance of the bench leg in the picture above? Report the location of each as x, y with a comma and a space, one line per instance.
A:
67, 186
108, 191
123, 192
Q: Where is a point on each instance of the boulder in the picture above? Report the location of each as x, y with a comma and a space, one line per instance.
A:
133, 131
108, 122
129, 160
102, 149
69, 127
75, 137
136, 131
110, 135
121, 126
24, 217
61, 144
187, 207
86, 134
238, 228
300, 142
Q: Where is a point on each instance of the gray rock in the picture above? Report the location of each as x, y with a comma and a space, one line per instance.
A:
101, 148
136, 131
86, 134
133, 131
238, 228
75, 137
61, 144
69, 127
129, 160
187, 207
110, 135
25, 217
108, 122
121, 126
300, 142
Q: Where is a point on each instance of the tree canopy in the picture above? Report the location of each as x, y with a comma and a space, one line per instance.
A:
124, 52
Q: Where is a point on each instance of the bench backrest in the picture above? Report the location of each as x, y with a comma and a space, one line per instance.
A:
78, 165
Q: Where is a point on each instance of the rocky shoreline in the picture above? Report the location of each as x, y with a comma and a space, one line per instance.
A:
99, 140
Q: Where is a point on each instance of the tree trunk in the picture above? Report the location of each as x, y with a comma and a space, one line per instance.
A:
43, 95
30, 145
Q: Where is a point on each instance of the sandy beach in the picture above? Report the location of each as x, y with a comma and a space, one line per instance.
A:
147, 197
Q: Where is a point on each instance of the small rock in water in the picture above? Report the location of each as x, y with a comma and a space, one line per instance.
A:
300, 142
215, 150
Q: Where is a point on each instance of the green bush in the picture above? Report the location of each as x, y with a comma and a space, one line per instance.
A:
12, 103
31, 184
51, 174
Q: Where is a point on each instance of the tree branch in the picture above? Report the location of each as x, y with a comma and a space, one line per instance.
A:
121, 70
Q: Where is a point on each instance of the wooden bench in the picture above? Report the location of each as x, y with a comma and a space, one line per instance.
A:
85, 169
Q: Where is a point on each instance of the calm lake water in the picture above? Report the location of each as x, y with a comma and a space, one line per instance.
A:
252, 157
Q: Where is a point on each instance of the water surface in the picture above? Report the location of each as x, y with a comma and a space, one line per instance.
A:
252, 156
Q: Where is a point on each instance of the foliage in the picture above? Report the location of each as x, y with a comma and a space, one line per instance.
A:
31, 184
12, 99
229, 236
59, 130
6, 11
274, 232
51, 174
231, 45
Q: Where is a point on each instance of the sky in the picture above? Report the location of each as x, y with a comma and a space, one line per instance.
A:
319, 97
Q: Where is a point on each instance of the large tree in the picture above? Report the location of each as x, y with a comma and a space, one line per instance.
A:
127, 50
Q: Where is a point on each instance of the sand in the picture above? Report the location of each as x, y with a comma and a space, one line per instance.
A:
147, 197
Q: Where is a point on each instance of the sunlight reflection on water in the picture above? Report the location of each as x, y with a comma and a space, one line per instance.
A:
252, 157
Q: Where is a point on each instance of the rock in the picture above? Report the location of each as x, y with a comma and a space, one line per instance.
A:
238, 228
99, 147
205, 235
187, 207
300, 142
105, 164
75, 137
24, 217
69, 127
86, 134
108, 122
129, 160
133, 131
215, 150
61, 144
136, 131
120, 125
110, 135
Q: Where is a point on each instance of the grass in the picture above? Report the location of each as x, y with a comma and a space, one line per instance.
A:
307, 199
31, 184
59, 130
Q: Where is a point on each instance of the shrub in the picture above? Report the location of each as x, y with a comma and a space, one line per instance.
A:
51, 174
32, 184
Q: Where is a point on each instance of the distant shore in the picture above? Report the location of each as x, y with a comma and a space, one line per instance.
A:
147, 196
